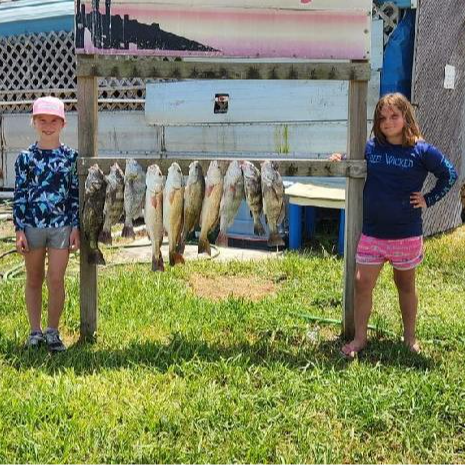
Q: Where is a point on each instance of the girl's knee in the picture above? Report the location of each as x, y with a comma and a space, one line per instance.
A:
55, 282
364, 283
35, 280
405, 287
405, 281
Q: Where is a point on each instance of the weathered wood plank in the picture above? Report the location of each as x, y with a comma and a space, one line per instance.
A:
350, 169
356, 139
87, 97
190, 102
155, 67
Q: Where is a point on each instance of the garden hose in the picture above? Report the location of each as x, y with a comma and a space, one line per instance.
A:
8, 252
13, 272
336, 322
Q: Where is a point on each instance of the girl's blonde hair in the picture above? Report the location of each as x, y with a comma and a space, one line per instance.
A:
411, 131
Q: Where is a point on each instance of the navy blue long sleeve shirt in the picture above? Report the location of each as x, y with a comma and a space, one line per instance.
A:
394, 172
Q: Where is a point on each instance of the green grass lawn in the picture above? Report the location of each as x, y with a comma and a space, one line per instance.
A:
177, 377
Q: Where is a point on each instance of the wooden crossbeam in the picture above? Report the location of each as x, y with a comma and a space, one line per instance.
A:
355, 169
162, 68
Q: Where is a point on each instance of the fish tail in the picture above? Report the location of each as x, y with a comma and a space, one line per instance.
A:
95, 257
275, 240
105, 237
128, 231
157, 263
258, 229
204, 246
222, 239
176, 258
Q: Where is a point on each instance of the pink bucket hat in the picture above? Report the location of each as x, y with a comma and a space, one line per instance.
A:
49, 106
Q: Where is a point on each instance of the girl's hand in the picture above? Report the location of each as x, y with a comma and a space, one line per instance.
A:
336, 157
74, 240
22, 246
417, 200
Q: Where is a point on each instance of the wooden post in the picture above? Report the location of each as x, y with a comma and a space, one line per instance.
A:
87, 98
356, 140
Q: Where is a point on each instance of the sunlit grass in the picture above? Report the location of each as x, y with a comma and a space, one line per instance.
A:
176, 377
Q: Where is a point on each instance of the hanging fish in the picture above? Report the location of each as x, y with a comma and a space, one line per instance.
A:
92, 212
273, 200
233, 194
253, 195
211, 205
134, 195
153, 214
114, 202
193, 198
173, 209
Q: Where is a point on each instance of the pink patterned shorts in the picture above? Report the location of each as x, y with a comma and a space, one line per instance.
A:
403, 254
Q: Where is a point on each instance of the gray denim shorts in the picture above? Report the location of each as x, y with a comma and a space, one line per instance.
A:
53, 238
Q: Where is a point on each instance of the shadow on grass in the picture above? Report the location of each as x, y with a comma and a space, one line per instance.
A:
90, 358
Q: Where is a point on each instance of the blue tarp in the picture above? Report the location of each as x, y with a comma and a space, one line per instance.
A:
399, 3
396, 75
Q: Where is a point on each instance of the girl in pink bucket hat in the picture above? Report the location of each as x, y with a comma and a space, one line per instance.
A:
46, 218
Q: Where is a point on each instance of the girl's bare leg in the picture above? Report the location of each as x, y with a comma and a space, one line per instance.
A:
408, 302
57, 263
35, 272
365, 281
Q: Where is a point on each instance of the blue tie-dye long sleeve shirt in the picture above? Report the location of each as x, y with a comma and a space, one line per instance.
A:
46, 188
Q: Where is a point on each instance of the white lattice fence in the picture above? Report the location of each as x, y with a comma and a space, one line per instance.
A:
45, 64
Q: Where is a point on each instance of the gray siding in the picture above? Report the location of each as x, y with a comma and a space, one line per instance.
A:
440, 41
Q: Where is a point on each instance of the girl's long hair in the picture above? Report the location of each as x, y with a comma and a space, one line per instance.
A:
411, 132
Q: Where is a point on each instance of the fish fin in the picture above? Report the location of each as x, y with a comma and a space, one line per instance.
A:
275, 240
258, 229
181, 247
176, 258
128, 231
95, 257
105, 237
208, 191
153, 201
171, 197
157, 264
222, 239
204, 246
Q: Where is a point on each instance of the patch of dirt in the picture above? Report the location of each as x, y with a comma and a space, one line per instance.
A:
221, 287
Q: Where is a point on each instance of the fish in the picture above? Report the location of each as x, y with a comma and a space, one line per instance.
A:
233, 194
273, 200
253, 195
92, 212
153, 213
134, 195
173, 209
194, 194
114, 202
211, 205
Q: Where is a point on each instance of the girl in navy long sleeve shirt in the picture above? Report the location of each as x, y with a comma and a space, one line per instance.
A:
398, 162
